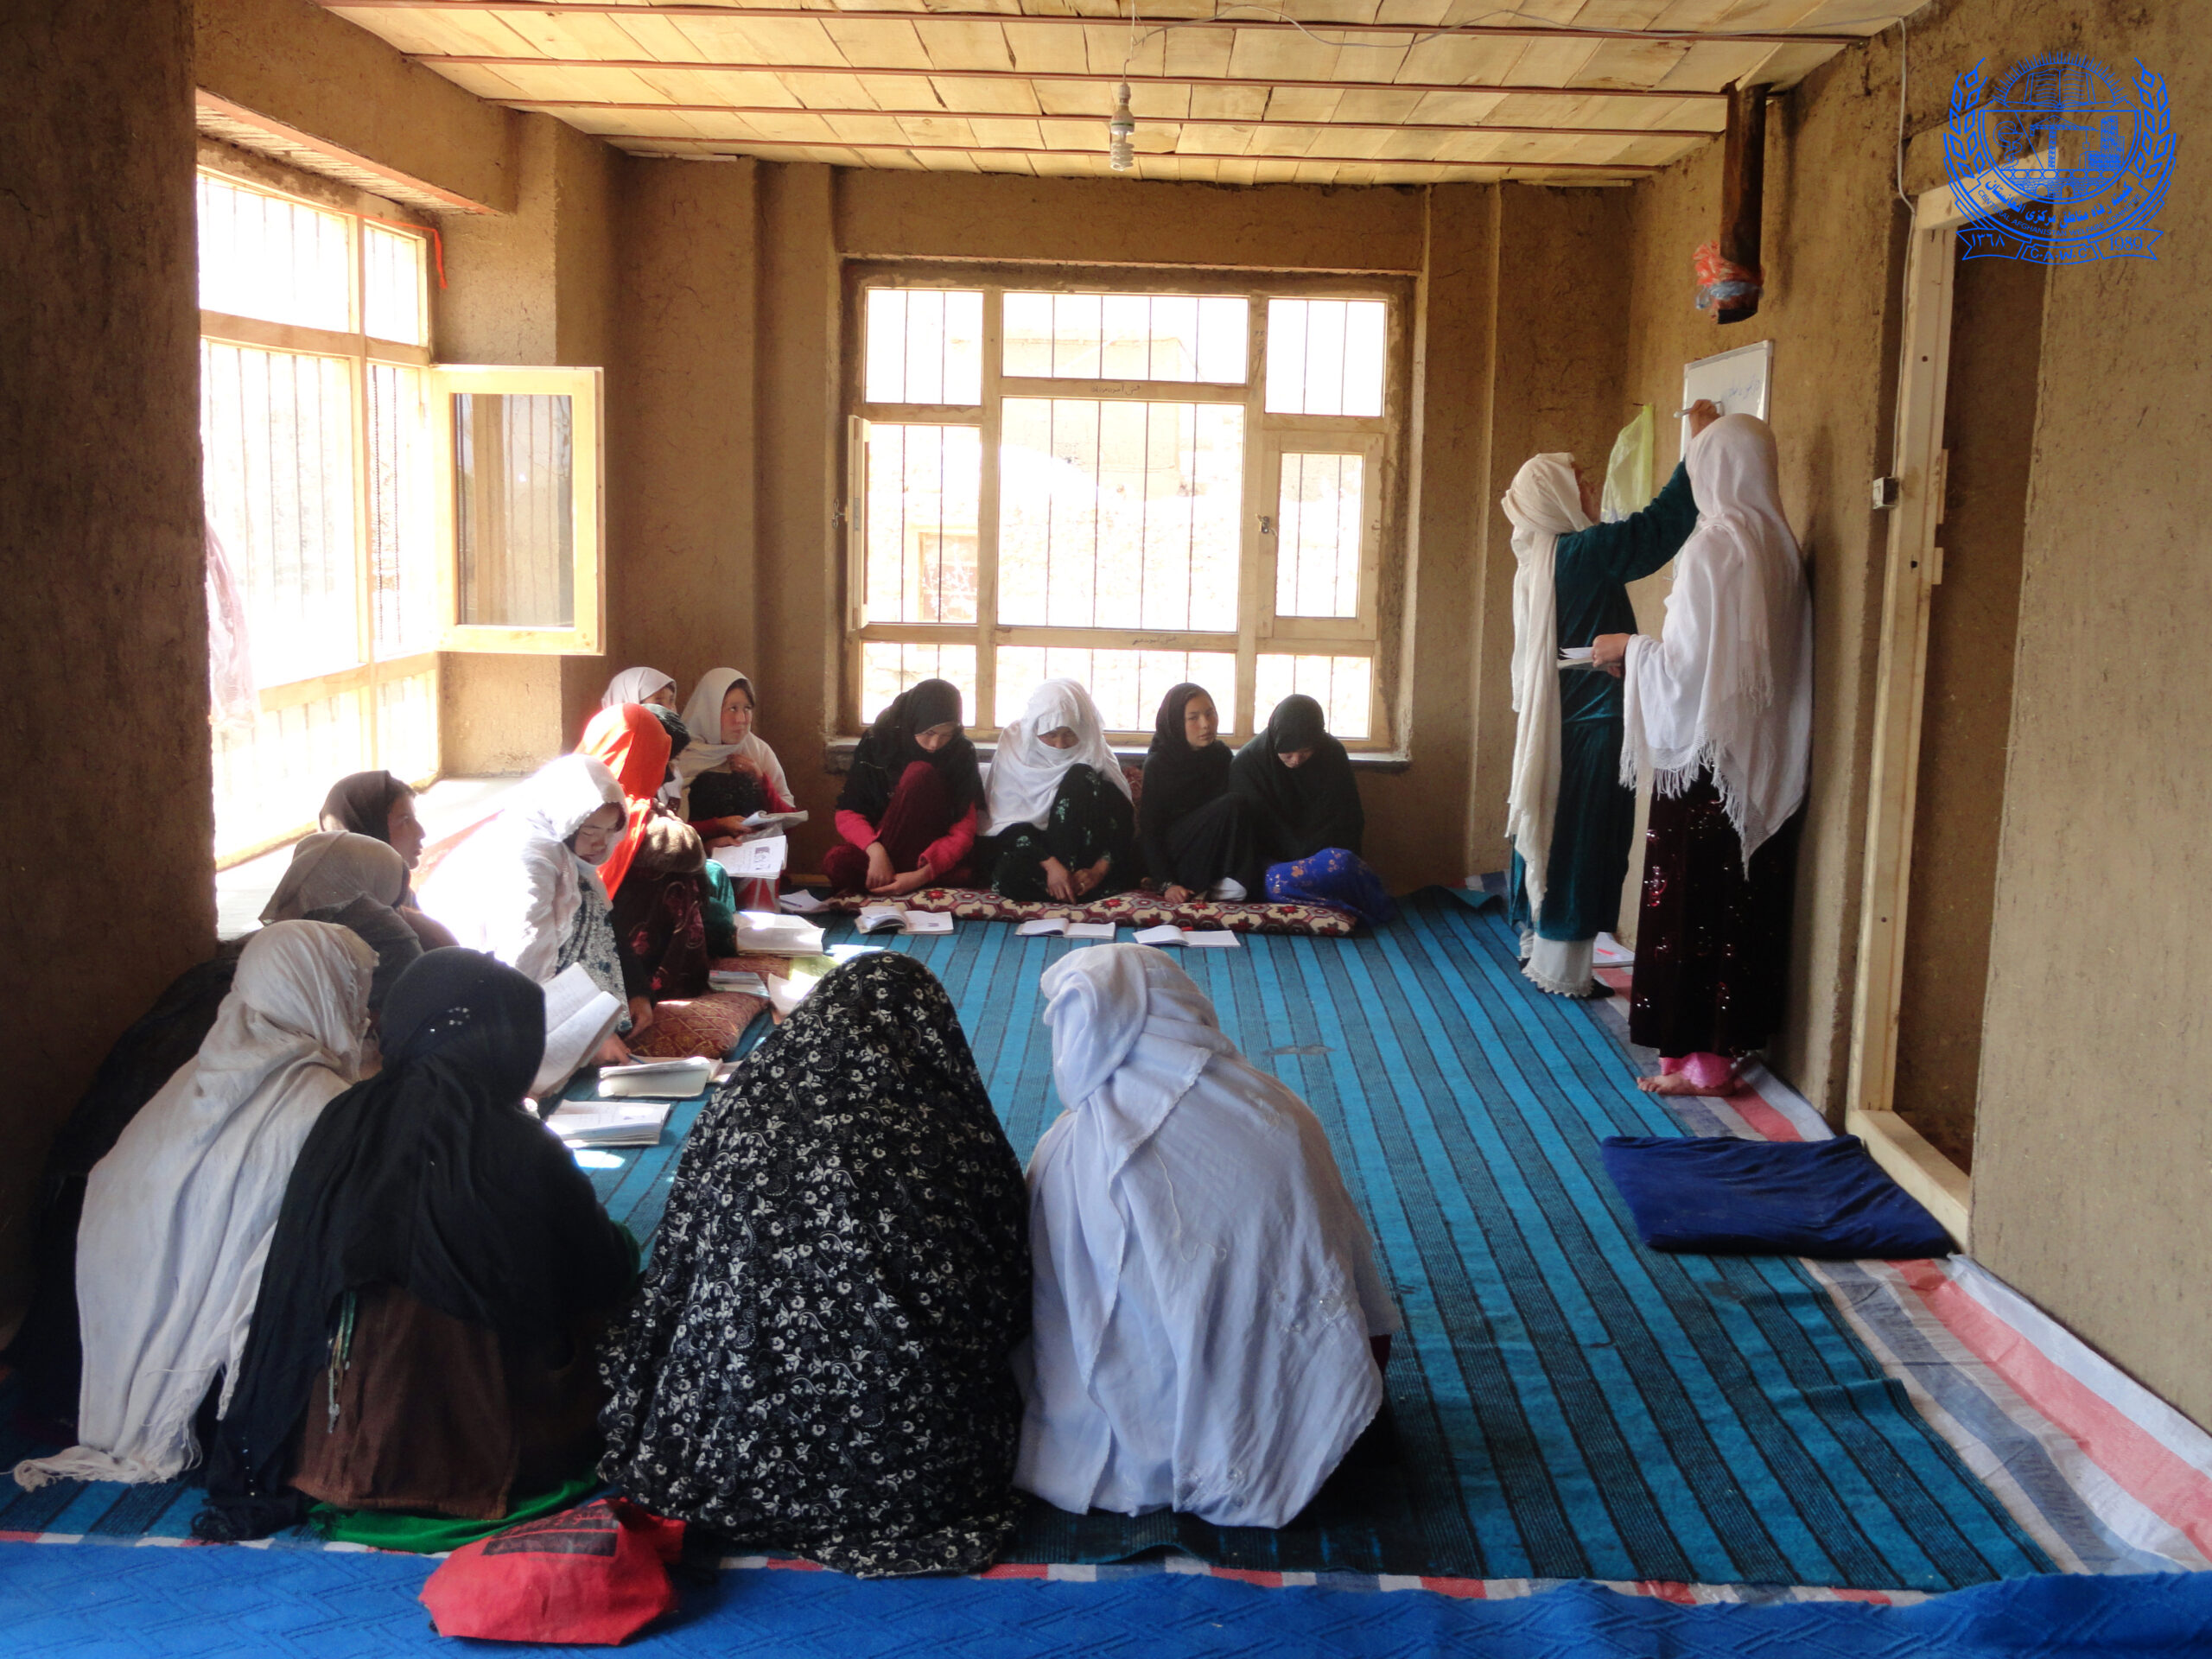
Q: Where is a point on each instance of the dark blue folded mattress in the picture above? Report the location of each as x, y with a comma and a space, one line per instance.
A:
1715, 1196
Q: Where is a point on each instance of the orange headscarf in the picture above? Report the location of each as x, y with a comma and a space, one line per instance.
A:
630, 742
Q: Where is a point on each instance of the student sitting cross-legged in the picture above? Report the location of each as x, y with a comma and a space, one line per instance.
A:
1196, 833
1306, 813
1208, 1318
907, 815
422, 1337
1059, 803
819, 1359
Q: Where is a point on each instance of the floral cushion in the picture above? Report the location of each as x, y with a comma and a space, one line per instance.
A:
706, 1028
1128, 909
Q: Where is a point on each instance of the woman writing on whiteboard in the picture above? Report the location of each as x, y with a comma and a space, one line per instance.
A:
1718, 716
1568, 817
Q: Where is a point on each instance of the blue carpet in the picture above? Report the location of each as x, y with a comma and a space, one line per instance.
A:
1565, 1403
213, 1603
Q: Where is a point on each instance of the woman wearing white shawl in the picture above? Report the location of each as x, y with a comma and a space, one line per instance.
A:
179, 1214
1057, 798
1205, 1292
1570, 822
640, 685
523, 886
1720, 715
333, 867
724, 746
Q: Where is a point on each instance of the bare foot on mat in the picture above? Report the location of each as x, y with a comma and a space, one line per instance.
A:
1679, 1082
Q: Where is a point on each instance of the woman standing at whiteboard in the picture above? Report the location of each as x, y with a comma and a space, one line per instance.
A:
1718, 716
1570, 820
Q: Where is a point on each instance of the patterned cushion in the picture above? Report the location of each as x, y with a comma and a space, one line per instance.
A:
705, 1027
1129, 910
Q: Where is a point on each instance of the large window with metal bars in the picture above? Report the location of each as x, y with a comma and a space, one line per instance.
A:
367, 507
1132, 481
314, 343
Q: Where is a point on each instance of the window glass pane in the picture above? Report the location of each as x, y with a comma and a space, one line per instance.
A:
267, 778
1125, 337
1119, 515
277, 456
261, 255
1325, 357
923, 485
1126, 685
391, 302
1343, 686
403, 547
513, 509
1317, 536
406, 726
925, 346
886, 669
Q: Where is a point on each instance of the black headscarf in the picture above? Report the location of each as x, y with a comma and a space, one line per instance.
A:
398, 947
1304, 810
818, 1361
362, 803
428, 1176
887, 748
1177, 779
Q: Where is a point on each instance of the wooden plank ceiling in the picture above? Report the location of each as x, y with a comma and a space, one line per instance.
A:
1310, 92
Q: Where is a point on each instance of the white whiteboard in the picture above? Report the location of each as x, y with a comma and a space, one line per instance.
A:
1735, 381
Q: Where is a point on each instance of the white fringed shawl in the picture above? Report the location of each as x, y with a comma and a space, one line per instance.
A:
1728, 685
1544, 504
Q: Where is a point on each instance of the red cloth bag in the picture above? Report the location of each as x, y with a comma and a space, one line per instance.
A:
597, 1573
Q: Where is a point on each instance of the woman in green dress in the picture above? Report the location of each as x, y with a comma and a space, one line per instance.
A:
1568, 817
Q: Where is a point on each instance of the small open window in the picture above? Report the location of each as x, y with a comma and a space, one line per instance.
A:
521, 508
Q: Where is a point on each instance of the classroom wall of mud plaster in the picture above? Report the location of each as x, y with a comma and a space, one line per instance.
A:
2092, 1149
108, 887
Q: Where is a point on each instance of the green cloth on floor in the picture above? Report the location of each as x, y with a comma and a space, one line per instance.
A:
433, 1534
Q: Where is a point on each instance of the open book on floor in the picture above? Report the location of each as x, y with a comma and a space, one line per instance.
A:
611, 1122
579, 1017
1067, 929
1206, 938
659, 1079
875, 918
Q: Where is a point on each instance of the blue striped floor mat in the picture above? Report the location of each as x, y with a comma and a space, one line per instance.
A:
1564, 1403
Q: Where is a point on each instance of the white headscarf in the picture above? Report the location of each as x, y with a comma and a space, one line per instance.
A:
512, 889
1204, 1287
635, 685
179, 1215
336, 867
1544, 504
1026, 771
703, 718
1728, 685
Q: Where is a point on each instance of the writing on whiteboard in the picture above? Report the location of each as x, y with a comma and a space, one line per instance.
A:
1735, 381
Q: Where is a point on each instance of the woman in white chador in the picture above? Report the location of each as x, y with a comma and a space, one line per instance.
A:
1205, 1291
1718, 716
179, 1215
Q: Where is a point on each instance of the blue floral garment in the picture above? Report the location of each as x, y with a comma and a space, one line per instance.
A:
1333, 876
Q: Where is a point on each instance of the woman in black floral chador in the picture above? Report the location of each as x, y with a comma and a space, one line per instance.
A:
818, 1359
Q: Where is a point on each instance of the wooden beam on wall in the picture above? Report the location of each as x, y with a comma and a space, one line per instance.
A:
746, 146
740, 14
788, 110
659, 67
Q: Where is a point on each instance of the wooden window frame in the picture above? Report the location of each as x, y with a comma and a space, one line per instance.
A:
359, 350
1375, 633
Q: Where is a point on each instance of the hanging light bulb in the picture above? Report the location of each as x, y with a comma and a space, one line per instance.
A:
1120, 133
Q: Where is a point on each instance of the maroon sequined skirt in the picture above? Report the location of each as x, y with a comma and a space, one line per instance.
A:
1711, 939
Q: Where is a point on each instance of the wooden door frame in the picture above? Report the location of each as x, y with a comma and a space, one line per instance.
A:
1915, 567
